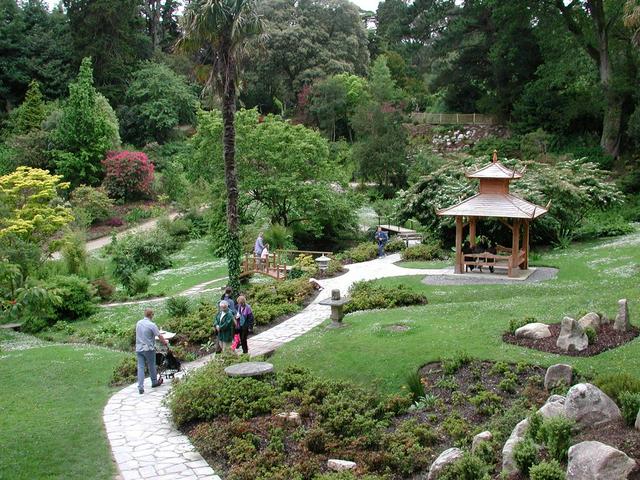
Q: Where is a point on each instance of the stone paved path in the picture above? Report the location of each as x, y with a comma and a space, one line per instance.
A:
144, 441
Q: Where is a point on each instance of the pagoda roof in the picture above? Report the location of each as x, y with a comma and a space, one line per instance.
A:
494, 170
494, 205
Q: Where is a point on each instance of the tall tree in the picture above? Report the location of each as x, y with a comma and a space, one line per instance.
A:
88, 128
13, 74
380, 149
598, 28
306, 40
112, 33
34, 45
162, 25
220, 31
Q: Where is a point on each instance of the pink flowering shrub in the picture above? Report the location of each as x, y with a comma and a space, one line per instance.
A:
128, 175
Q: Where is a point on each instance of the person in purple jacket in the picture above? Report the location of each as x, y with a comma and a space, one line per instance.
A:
258, 246
244, 320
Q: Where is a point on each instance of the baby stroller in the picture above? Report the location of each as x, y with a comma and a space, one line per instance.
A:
167, 364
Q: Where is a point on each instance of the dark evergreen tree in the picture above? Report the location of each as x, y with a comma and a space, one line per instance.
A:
112, 33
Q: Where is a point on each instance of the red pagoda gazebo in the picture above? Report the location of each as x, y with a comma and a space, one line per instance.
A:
494, 200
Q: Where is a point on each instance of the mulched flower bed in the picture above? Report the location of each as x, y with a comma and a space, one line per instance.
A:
462, 397
607, 339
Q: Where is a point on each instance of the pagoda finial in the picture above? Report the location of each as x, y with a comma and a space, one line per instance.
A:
495, 156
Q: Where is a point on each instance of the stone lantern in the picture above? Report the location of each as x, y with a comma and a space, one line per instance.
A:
323, 263
337, 307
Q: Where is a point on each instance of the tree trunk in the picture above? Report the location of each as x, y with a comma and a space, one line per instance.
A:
598, 49
611, 125
230, 174
153, 21
612, 120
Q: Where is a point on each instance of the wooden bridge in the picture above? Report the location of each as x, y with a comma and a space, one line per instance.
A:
409, 235
270, 266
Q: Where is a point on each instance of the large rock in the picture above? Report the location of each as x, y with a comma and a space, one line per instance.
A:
572, 336
621, 322
591, 319
552, 410
590, 406
597, 461
485, 436
638, 421
534, 330
444, 459
339, 465
556, 398
558, 374
517, 435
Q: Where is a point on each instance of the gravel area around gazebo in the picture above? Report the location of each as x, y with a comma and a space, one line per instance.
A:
540, 274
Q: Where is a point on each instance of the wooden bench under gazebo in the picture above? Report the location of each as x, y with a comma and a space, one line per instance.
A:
494, 200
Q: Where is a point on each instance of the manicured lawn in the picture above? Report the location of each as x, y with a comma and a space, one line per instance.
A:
51, 404
193, 265
472, 318
426, 264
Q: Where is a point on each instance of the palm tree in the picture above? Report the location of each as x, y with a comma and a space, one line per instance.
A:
220, 30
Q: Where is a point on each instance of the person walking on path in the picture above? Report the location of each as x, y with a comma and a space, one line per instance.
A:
223, 325
381, 238
146, 333
244, 321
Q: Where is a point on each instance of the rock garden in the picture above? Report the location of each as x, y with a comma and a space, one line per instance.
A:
590, 335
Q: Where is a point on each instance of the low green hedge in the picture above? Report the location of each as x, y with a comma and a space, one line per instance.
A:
431, 251
360, 253
367, 295
196, 327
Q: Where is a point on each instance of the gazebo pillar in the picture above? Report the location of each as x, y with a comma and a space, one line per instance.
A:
525, 245
515, 246
472, 231
457, 268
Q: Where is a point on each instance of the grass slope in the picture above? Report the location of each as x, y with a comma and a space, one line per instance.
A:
472, 318
192, 265
51, 404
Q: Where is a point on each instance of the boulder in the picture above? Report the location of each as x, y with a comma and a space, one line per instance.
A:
558, 374
638, 421
534, 330
621, 322
551, 410
572, 336
339, 465
444, 459
556, 398
588, 405
508, 462
597, 461
485, 436
591, 319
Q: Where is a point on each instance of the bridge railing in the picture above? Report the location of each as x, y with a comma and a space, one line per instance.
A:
272, 266
454, 118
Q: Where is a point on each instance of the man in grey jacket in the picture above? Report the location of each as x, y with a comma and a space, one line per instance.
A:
146, 333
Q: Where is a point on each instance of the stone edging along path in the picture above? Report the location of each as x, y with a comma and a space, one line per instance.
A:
144, 441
